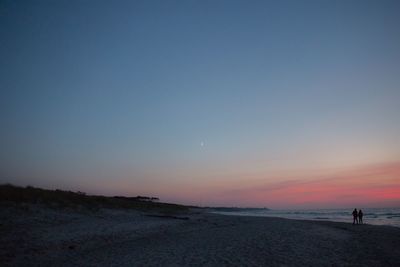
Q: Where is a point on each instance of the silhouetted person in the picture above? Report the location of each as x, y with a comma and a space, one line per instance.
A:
355, 215
360, 215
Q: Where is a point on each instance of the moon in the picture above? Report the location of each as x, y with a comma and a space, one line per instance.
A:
201, 143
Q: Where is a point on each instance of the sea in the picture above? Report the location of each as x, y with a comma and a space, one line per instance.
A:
376, 216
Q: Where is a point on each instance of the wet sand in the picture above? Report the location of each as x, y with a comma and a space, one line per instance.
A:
32, 235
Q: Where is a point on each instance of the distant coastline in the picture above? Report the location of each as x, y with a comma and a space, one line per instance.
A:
80, 200
234, 209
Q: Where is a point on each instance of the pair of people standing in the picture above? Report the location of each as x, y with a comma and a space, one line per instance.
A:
357, 216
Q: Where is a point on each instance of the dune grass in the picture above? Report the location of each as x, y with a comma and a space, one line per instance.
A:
68, 199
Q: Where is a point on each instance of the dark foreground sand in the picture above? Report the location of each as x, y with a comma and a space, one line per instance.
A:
37, 236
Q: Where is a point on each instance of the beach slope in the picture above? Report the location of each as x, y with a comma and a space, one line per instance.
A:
34, 235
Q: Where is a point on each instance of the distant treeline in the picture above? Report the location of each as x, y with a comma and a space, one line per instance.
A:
233, 209
68, 199
141, 198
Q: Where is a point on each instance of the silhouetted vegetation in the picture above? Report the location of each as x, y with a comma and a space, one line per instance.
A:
234, 209
68, 199
142, 198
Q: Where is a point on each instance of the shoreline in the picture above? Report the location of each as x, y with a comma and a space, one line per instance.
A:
366, 221
33, 235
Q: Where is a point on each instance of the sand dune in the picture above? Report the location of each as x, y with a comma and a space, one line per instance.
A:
33, 235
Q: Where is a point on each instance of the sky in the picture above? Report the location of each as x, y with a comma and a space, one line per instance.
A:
280, 104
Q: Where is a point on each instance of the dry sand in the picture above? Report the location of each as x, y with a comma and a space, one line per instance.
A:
32, 235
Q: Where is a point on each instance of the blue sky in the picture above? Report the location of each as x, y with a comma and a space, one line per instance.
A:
118, 96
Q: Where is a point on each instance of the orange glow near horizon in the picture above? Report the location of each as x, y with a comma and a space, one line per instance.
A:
369, 186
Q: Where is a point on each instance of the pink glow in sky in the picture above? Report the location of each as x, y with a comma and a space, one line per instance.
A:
367, 186
220, 103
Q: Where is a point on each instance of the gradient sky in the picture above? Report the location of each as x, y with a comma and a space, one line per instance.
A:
283, 104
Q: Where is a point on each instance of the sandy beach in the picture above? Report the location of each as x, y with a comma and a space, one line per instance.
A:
34, 235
